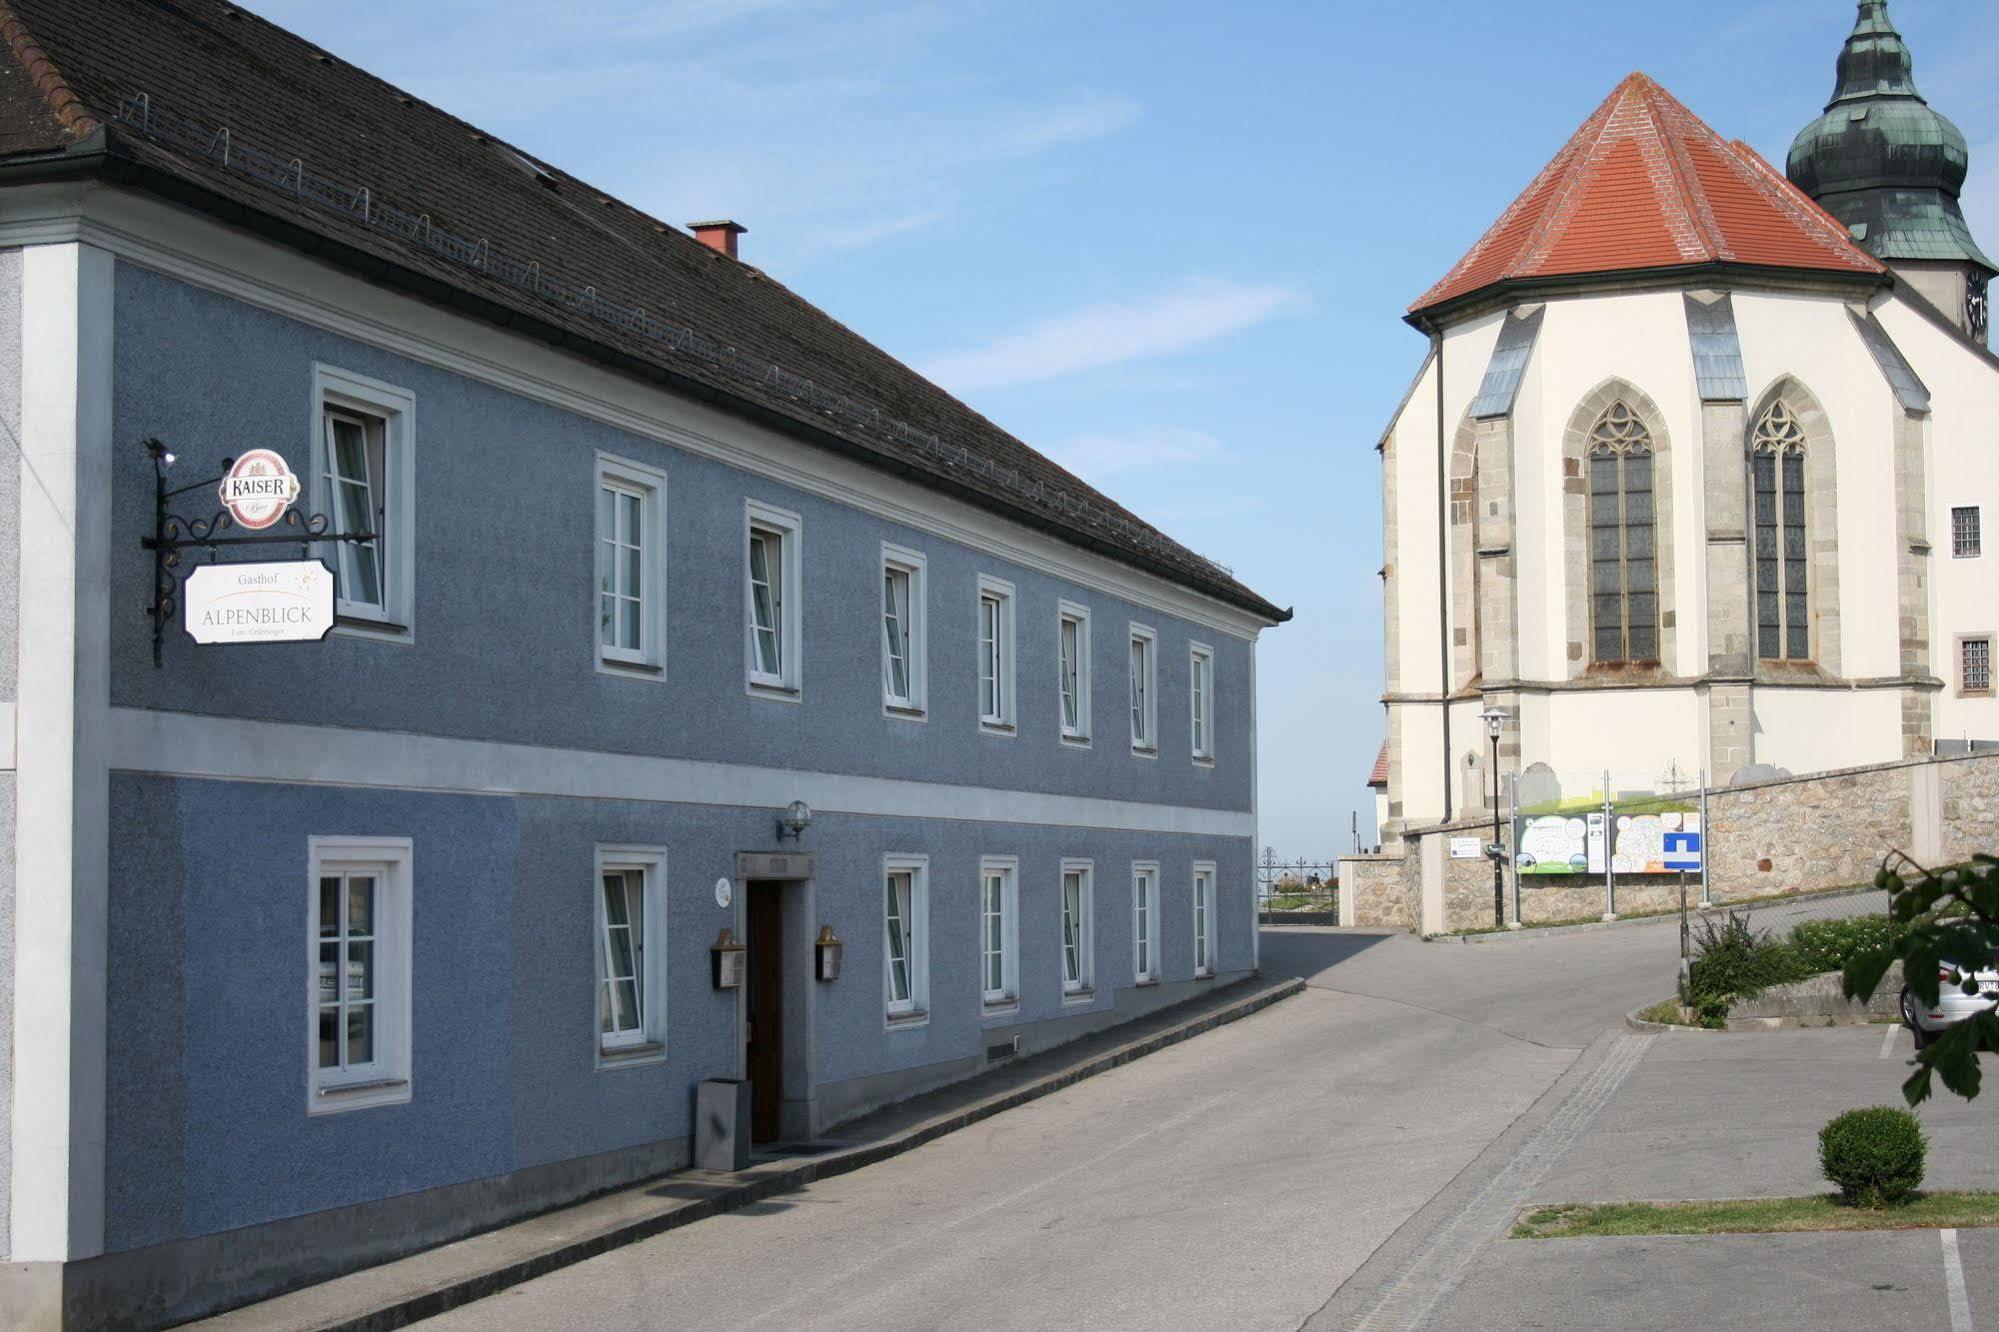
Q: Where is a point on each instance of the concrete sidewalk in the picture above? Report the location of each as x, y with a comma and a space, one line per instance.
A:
396, 1294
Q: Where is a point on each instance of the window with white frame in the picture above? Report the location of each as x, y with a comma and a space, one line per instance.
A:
1975, 665
631, 566
996, 687
1073, 670
631, 952
1204, 918
1144, 685
1201, 700
904, 633
1078, 947
358, 913
363, 477
771, 590
1966, 541
906, 936
1145, 921
999, 931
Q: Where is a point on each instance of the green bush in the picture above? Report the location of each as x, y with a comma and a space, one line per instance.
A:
1828, 945
1732, 961
1875, 1155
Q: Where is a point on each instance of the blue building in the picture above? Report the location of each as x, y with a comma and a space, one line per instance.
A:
690, 623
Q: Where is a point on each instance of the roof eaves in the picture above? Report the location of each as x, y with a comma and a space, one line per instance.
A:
1521, 290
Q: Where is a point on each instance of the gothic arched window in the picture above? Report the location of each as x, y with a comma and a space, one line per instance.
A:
1777, 474
1624, 566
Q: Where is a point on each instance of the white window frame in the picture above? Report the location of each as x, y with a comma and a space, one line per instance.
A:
1083, 988
648, 485
1977, 550
1006, 998
1000, 590
1205, 918
387, 1079
343, 390
1201, 702
916, 633
914, 1011
647, 1044
1144, 710
1145, 909
789, 528
1069, 612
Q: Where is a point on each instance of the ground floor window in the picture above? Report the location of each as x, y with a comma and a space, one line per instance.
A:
1077, 911
631, 951
1204, 918
905, 936
999, 949
1145, 921
359, 909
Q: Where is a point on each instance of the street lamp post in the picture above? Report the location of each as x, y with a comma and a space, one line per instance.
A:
1494, 718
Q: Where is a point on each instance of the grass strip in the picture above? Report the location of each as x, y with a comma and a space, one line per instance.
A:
1755, 1216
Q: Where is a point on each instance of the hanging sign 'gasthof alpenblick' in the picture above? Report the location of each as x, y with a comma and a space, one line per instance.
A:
288, 601
258, 489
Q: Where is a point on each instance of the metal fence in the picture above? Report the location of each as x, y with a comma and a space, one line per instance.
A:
1301, 885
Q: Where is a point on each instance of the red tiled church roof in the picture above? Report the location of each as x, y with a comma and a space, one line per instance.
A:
1379, 777
1645, 183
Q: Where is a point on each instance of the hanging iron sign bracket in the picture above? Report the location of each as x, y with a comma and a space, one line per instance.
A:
173, 533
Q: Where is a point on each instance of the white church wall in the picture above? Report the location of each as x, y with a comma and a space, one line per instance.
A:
1964, 470
1638, 734
1810, 730
1811, 339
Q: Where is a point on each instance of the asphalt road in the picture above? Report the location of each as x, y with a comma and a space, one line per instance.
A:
1346, 1159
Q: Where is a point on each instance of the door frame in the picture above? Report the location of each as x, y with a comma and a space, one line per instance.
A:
792, 874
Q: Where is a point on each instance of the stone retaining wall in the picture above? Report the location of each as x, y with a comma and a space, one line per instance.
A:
1766, 839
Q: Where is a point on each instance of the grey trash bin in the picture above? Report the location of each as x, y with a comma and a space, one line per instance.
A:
722, 1124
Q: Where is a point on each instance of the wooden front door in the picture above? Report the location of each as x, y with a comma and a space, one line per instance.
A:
765, 1024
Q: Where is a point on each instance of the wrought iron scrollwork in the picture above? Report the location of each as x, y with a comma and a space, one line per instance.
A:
174, 533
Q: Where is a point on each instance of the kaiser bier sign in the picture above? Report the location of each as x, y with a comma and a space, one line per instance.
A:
289, 601
258, 489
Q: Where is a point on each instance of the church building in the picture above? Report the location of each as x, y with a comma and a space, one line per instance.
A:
1694, 476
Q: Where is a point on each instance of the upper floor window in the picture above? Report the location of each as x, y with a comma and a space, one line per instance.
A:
903, 631
631, 549
360, 1010
996, 685
631, 952
1966, 542
1624, 577
1144, 685
363, 476
1201, 700
1073, 670
1777, 476
772, 595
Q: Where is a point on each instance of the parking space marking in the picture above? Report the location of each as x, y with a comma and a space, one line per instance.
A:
1953, 1280
1888, 1041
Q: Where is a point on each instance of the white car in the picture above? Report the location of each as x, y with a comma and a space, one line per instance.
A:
1953, 1004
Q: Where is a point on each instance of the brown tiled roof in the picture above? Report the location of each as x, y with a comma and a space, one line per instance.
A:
750, 343
1645, 183
1379, 777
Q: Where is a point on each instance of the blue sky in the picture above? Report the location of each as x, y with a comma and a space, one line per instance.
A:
1168, 244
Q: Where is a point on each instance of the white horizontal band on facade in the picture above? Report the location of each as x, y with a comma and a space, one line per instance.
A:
192, 745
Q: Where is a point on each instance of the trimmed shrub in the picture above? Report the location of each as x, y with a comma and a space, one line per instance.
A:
1828, 945
1875, 1155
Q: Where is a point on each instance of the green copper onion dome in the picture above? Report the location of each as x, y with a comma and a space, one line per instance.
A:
1880, 160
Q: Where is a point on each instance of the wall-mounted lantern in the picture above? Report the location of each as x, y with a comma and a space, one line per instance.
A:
797, 817
728, 960
826, 952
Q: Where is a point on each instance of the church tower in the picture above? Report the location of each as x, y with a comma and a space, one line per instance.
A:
1889, 167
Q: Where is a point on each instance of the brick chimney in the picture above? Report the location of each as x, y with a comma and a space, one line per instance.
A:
718, 236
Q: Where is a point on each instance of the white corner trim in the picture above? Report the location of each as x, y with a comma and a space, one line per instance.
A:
7, 745
192, 745
61, 813
228, 261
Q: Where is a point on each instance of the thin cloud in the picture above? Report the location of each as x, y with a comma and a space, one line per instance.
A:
1099, 457
1065, 125
1198, 311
